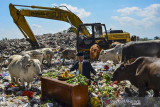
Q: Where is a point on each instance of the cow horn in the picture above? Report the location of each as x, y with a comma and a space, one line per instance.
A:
28, 65
31, 61
139, 69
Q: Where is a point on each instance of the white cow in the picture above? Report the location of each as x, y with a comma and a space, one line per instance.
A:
23, 69
114, 54
34, 54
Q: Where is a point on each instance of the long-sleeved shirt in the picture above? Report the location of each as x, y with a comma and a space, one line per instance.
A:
86, 68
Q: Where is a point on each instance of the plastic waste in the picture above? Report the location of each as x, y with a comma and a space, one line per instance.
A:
106, 67
25, 105
5, 74
2, 104
28, 93
77, 72
6, 84
49, 104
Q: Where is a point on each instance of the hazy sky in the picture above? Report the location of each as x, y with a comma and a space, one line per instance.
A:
139, 17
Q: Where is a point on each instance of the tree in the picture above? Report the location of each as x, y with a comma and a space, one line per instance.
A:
70, 29
156, 38
4, 39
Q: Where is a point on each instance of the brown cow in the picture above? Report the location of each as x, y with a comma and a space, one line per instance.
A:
144, 73
114, 44
94, 52
69, 54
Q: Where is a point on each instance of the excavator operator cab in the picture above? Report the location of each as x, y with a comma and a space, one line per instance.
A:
95, 36
98, 30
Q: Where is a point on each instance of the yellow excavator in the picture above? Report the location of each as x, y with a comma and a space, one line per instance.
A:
87, 34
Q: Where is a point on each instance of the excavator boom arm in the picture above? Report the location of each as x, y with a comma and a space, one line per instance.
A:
43, 12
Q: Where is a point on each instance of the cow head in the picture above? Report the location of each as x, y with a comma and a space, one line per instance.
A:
101, 55
25, 61
36, 53
94, 51
34, 66
120, 73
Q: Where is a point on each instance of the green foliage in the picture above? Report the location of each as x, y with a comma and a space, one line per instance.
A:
144, 39
78, 80
4, 39
156, 38
49, 101
70, 30
107, 77
107, 90
51, 74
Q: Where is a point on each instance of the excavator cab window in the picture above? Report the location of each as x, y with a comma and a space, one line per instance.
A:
96, 36
99, 30
88, 28
100, 39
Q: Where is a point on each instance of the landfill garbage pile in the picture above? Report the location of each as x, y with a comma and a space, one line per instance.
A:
15, 46
63, 40
101, 91
13, 95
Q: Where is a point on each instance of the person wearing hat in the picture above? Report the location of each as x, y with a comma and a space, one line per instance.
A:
84, 67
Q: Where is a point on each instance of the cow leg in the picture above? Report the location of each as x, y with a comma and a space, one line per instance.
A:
124, 59
50, 62
49, 58
12, 79
142, 90
43, 61
91, 60
156, 93
28, 85
142, 93
23, 82
63, 61
118, 60
17, 81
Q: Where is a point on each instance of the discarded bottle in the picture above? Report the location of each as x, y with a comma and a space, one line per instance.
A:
77, 72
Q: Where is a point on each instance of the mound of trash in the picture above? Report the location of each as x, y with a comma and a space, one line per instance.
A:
15, 46
102, 92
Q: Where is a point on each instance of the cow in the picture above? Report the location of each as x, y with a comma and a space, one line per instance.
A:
144, 73
24, 59
48, 54
137, 49
23, 69
114, 44
134, 38
114, 54
94, 52
68, 54
34, 54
